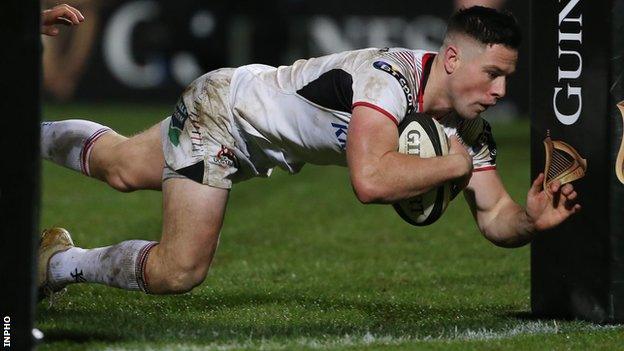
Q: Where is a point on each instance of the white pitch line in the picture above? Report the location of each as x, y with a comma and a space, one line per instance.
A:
368, 339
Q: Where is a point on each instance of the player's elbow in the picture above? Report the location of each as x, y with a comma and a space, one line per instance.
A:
504, 241
368, 191
507, 244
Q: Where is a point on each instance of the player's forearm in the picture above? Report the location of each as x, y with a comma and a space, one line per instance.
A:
398, 176
510, 228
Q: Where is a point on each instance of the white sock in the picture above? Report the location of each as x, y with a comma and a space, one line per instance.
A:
68, 143
120, 265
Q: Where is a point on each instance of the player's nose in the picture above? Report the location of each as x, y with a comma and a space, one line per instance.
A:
499, 88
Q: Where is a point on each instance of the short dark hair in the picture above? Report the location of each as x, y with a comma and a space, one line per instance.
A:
487, 25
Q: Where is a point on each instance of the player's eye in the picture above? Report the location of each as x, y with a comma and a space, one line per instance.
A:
492, 75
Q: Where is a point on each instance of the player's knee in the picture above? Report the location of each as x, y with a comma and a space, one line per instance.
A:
130, 170
184, 280
121, 179
120, 167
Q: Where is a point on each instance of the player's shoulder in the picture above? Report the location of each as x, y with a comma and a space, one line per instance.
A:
477, 134
389, 79
403, 59
476, 131
403, 66
254, 68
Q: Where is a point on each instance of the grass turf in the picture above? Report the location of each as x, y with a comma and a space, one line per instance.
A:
303, 265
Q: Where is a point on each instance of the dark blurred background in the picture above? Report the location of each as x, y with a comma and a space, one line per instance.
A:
147, 51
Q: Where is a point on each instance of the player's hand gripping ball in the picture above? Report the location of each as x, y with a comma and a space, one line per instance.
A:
422, 136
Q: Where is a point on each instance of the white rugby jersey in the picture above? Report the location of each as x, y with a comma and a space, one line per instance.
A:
299, 114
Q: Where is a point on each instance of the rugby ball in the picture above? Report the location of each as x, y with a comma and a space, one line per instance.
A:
422, 136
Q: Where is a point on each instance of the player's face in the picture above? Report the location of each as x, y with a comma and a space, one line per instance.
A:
480, 78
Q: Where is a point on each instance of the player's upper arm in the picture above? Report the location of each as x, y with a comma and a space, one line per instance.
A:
379, 104
371, 134
486, 195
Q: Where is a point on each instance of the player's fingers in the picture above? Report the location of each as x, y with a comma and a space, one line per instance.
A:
572, 195
574, 210
51, 31
454, 141
569, 204
64, 21
556, 199
537, 185
65, 11
456, 147
554, 186
55, 16
47, 17
75, 11
567, 189
79, 14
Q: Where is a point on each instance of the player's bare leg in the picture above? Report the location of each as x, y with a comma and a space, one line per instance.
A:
129, 164
192, 219
126, 164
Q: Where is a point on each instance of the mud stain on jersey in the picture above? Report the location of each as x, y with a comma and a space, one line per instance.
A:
373, 86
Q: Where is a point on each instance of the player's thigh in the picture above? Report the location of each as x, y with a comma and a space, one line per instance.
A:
130, 163
143, 153
192, 219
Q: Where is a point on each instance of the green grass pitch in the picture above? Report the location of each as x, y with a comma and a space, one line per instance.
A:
302, 265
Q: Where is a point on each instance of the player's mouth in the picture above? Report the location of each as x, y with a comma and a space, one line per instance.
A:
484, 107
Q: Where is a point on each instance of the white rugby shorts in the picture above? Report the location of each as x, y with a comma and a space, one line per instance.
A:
198, 139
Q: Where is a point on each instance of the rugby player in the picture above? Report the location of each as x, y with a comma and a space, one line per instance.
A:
342, 109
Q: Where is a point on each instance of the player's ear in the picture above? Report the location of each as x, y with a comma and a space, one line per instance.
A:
451, 58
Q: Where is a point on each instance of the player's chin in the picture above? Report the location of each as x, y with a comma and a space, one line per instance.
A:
471, 113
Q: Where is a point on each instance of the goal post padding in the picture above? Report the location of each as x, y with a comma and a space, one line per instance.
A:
19, 180
577, 269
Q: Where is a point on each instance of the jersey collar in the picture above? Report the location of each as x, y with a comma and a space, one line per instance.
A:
427, 61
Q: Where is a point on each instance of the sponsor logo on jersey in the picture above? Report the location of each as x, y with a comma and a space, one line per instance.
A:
341, 134
224, 158
180, 115
409, 96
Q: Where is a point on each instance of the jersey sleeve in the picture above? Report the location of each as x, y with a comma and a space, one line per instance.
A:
477, 135
380, 85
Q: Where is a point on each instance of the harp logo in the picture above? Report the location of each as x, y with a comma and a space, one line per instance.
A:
619, 163
563, 162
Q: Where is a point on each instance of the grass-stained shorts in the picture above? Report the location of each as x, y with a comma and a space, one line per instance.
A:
197, 139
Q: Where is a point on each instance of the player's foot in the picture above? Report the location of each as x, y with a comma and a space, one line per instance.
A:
53, 240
